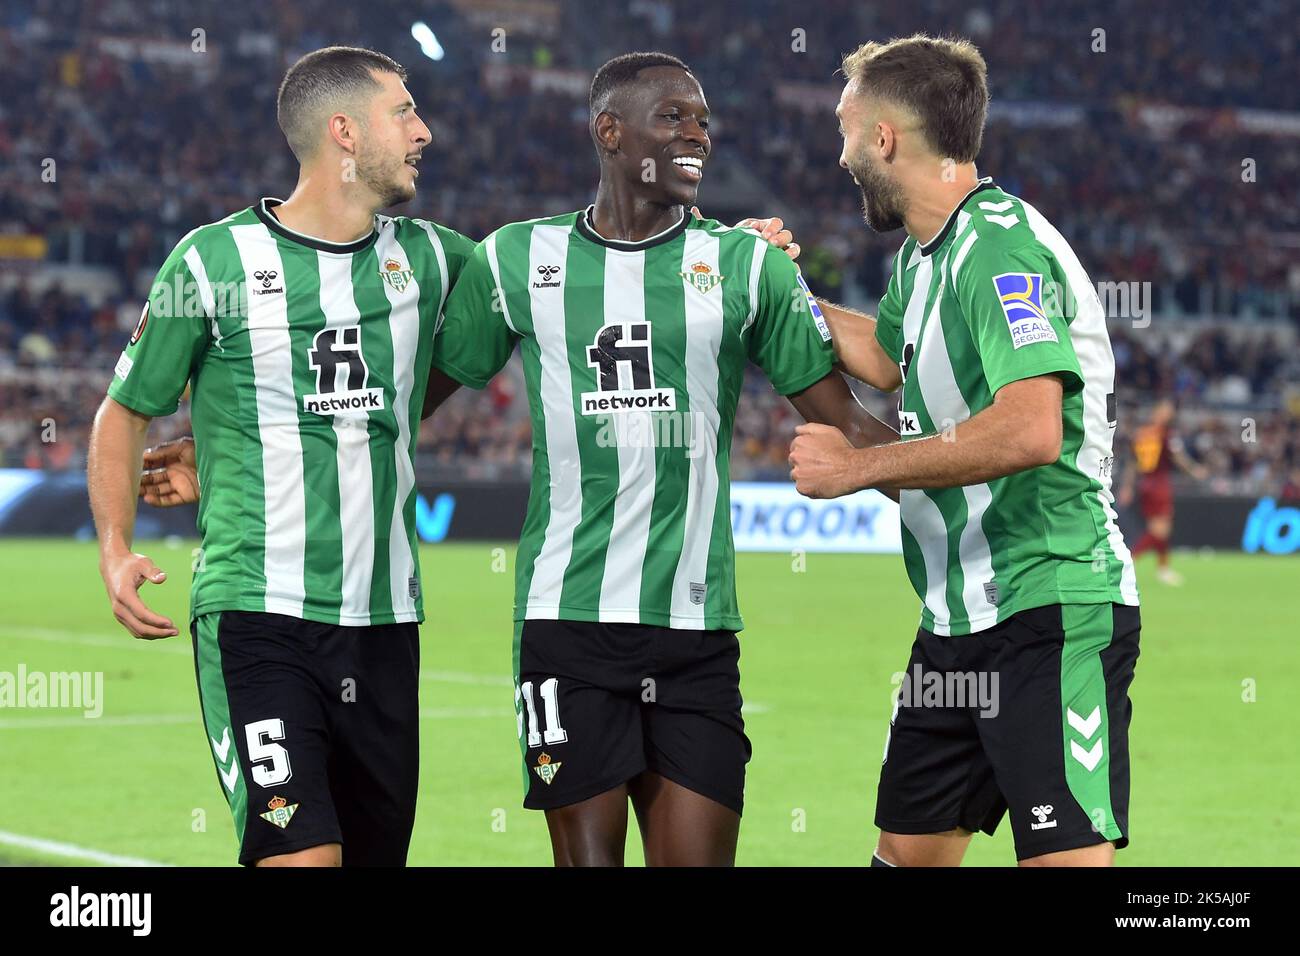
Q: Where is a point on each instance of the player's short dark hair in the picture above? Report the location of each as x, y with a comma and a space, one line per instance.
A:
944, 81
623, 70
326, 81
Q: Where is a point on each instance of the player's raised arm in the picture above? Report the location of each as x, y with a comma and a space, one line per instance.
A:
857, 350
113, 472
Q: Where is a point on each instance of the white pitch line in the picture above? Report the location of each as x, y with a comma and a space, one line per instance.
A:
71, 851
123, 641
461, 677
129, 720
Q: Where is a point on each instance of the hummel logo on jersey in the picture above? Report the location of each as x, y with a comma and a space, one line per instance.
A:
1021, 295
701, 278
336, 351
546, 272
1042, 813
266, 277
625, 378
395, 275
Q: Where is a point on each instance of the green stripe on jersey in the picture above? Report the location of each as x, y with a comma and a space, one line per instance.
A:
633, 355
308, 363
998, 296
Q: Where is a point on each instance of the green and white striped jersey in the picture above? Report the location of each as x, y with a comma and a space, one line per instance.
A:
634, 354
308, 363
995, 297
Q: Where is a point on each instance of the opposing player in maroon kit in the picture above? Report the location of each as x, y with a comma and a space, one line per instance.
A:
1156, 450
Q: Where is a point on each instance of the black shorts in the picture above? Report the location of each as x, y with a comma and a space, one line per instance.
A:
315, 732
1030, 715
597, 704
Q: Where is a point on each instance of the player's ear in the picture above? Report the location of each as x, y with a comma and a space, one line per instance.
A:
886, 140
343, 131
607, 131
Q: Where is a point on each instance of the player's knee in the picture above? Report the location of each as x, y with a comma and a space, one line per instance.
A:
327, 854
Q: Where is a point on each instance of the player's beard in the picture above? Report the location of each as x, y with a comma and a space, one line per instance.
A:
882, 198
385, 176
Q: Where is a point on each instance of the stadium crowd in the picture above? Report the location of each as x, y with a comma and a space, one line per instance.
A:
115, 141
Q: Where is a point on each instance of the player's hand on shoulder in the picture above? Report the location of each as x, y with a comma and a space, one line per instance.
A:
123, 574
772, 229
171, 475
823, 463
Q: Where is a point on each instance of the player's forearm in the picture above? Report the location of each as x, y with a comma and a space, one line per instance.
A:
989, 446
853, 334
117, 441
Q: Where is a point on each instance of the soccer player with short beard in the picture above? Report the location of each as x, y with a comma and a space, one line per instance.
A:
996, 341
304, 329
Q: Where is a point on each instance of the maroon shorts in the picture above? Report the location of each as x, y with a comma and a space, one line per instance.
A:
1156, 496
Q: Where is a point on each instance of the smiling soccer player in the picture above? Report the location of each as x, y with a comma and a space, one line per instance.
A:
630, 314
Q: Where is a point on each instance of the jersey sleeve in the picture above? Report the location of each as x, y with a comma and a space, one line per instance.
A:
790, 340
1011, 301
474, 340
458, 249
168, 343
889, 315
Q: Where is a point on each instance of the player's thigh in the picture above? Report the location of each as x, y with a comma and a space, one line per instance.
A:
935, 778
1098, 854
374, 673
577, 706
267, 729
1059, 740
328, 855
592, 832
923, 849
680, 827
691, 708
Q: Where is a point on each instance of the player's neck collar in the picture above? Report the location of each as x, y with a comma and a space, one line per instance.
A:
263, 212
928, 247
588, 231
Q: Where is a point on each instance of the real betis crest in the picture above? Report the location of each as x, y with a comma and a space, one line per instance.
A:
395, 275
545, 769
701, 278
281, 812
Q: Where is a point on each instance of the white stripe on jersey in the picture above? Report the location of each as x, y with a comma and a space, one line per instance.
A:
620, 589
285, 506
549, 244
703, 340
755, 274
947, 407
404, 327
1091, 344
200, 273
352, 452
925, 522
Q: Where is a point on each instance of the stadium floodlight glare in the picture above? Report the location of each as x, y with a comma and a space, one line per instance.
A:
424, 36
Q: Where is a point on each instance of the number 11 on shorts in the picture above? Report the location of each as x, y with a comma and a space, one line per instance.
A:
554, 733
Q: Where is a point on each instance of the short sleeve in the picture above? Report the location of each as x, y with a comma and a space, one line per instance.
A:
474, 340
169, 341
889, 316
1010, 299
790, 340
